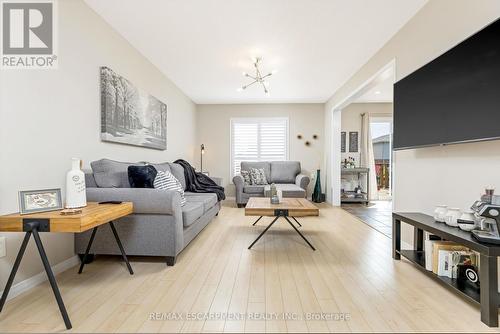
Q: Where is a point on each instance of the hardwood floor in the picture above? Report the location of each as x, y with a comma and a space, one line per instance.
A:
351, 274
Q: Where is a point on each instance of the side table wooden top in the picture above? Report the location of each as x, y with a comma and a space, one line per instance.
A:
92, 215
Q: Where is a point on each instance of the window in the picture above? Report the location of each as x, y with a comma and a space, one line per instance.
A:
258, 139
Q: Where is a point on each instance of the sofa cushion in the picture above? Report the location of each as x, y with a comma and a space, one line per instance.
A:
266, 166
289, 190
191, 212
166, 181
111, 174
258, 176
178, 171
253, 189
164, 167
246, 177
142, 176
209, 200
284, 171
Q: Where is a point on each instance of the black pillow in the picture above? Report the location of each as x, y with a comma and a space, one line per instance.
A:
141, 176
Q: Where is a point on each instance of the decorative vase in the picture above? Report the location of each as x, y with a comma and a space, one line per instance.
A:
75, 186
440, 213
316, 196
452, 216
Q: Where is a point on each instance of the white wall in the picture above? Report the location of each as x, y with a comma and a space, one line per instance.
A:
454, 175
49, 116
351, 121
213, 125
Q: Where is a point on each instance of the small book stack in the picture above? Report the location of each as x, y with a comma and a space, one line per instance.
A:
444, 257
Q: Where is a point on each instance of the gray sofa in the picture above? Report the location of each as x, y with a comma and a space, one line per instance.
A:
286, 175
159, 226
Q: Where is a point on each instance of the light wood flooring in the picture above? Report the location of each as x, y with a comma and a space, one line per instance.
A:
351, 274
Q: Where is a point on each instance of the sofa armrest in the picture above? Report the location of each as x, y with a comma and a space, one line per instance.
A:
302, 181
239, 182
146, 200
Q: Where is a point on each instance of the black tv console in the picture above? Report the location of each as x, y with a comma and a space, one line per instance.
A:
488, 296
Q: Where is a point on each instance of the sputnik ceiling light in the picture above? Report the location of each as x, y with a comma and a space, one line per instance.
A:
258, 78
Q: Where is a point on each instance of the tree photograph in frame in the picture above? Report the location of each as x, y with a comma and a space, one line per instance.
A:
130, 115
33, 201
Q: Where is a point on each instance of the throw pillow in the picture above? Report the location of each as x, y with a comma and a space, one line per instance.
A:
165, 180
141, 176
246, 177
258, 176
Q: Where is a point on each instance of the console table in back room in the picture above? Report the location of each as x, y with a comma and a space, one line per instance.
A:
487, 296
92, 217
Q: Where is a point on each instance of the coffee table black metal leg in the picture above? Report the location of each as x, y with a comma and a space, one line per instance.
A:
84, 260
297, 221
14, 269
257, 221
51, 278
296, 230
263, 232
121, 248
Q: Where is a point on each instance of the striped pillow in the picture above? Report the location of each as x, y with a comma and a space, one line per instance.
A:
166, 181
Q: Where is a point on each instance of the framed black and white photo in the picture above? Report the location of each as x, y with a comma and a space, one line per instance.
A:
353, 142
130, 115
32, 201
342, 141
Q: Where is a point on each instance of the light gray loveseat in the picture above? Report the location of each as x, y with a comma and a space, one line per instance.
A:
286, 175
159, 226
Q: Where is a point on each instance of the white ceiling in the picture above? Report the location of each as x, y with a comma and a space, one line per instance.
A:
203, 46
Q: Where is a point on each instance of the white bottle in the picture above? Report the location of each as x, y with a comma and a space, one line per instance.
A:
76, 196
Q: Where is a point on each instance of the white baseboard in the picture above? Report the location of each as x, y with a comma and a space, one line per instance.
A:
41, 277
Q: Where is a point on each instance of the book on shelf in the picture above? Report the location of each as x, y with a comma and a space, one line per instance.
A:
443, 245
450, 260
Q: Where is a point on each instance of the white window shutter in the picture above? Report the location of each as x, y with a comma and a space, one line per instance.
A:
263, 139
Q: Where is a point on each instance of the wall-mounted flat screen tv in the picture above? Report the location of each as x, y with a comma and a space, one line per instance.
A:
454, 98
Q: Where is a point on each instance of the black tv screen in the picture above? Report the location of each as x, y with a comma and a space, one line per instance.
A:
454, 98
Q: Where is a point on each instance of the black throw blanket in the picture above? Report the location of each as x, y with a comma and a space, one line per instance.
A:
198, 182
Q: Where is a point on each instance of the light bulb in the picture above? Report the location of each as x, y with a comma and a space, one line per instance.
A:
239, 89
274, 71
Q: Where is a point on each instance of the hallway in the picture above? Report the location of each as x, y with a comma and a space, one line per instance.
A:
376, 215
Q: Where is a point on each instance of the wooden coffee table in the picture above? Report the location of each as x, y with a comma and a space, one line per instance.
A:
91, 217
289, 207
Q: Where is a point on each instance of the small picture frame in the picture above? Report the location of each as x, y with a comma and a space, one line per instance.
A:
353, 142
33, 201
342, 141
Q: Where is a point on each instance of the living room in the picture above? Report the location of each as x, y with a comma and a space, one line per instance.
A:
244, 231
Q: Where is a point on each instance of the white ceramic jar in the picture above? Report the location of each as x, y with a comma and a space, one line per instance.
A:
440, 213
467, 221
451, 217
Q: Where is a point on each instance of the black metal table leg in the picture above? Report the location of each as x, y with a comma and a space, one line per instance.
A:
488, 276
297, 230
257, 221
51, 278
263, 232
121, 248
14, 269
87, 250
297, 221
396, 239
